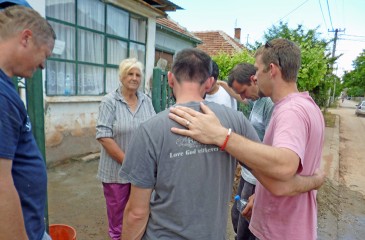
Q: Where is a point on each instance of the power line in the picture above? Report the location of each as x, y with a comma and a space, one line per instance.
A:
352, 35
324, 20
292, 11
329, 14
353, 40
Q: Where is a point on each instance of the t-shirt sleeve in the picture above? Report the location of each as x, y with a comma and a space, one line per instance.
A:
139, 165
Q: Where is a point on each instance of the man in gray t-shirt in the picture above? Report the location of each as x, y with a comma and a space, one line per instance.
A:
180, 189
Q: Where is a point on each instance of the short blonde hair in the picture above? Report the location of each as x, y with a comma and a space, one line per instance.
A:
15, 19
127, 64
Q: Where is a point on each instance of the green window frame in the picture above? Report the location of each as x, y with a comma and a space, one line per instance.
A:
92, 38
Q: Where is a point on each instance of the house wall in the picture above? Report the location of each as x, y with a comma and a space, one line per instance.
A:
70, 121
170, 43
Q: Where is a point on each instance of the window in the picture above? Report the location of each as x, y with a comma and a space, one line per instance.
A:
93, 37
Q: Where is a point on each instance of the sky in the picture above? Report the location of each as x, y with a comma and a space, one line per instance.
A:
254, 17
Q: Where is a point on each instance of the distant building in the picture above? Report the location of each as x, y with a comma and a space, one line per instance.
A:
215, 42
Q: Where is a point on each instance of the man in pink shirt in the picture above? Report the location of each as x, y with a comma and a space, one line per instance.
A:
285, 203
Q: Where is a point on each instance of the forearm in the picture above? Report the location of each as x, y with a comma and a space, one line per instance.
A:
11, 220
230, 91
134, 224
112, 148
276, 163
296, 185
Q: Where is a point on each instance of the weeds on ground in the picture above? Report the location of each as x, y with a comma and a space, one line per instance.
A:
329, 119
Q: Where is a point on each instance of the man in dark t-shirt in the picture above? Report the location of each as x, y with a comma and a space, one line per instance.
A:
26, 40
180, 188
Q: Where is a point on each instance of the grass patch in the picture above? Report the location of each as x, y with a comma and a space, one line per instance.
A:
329, 119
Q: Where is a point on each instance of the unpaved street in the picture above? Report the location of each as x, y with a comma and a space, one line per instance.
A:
75, 196
342, 198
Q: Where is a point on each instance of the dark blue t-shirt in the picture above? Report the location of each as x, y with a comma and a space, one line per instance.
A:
18, 145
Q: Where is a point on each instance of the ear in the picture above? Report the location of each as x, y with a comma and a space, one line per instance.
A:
253, 80
170, 79
25, 35
208, 84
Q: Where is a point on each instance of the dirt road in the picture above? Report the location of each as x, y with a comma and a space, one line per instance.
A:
75, 196
342, 198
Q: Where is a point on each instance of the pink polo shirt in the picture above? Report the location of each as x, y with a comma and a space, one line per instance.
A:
297, 124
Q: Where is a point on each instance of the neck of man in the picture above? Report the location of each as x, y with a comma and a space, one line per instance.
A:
189, 92
283, 89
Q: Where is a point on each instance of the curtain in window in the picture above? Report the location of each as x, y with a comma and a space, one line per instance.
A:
56, 77
117, 22
90, 80
112, 79
90, 14
61, 9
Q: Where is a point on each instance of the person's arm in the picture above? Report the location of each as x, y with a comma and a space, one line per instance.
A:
136, 213
275, 167
11, 220
231, 92
112, 148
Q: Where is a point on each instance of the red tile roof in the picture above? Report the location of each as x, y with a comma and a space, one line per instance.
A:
215, 42
169, 23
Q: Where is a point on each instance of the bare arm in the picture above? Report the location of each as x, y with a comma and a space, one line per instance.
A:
275, 168
231, 92
136, 213
11, 220
112, 148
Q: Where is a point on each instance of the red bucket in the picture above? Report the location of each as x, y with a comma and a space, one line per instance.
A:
62, 232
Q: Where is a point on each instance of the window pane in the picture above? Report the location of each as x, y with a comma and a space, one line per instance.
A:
137, 51
61, 9
138, 29
90, 47
90, 80
56, 74
112, 79
117, 22
117, 51
66, 35
90, 14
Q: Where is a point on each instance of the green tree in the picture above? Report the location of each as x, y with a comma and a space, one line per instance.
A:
315, 74
354, 80
226, 62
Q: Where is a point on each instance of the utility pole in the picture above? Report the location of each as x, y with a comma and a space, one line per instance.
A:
336, 31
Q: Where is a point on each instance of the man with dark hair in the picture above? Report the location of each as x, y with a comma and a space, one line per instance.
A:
180, 189
218, 94
26, 40
243, 81
292, 147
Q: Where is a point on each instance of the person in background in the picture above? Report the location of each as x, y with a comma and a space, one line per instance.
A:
181, 188
218, 94
120, 113
243, 81
292, 147
26, 40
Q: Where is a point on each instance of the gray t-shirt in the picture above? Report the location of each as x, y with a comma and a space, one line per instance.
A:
192, 182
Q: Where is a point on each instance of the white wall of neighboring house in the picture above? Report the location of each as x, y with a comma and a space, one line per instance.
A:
70, 120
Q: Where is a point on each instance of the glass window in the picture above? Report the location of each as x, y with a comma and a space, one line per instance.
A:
91, 47
117, 22
112, 79
66, 35
90, 14
117, 51
138, 29
61, 9
57, 73
90, 80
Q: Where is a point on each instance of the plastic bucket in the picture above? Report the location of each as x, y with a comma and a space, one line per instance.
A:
62, 232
